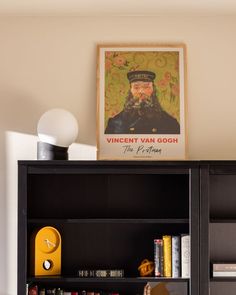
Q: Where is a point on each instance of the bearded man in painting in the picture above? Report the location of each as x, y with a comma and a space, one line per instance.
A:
142, 113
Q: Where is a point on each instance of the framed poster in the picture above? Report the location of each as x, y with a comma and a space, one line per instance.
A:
141, 102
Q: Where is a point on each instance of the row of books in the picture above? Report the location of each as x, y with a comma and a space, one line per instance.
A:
100, 273
35, 290
172, 256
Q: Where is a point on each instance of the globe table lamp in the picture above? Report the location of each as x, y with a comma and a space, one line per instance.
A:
57, 130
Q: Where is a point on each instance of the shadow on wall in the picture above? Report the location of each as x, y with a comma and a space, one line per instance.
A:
18, 113
18, 122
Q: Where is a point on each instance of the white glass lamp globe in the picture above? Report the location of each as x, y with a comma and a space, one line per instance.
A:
58, 127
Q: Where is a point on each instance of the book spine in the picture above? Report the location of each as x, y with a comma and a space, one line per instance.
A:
51, 292
224, 273
101, 273
33, 290
175, 256
116, 273
158, 257
167, 256
185, 256
224, 267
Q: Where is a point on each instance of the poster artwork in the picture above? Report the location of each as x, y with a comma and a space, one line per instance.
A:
141, 103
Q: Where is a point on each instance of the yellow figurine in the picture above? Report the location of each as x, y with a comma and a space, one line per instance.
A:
146, 268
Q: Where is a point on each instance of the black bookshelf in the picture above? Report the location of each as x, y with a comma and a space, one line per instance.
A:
108, 214
217, 224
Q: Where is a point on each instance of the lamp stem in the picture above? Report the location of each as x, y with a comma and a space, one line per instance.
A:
46, 151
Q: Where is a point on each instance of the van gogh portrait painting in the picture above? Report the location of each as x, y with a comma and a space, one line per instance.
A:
141, 102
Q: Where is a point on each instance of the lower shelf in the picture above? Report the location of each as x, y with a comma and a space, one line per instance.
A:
121, 286
64, 279
221, 286
223, 279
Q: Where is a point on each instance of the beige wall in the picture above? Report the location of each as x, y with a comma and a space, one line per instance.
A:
48, 62
51, 62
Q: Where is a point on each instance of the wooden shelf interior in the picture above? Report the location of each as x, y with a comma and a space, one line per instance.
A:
108, 196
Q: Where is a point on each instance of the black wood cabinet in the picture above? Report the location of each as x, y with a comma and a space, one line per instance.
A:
109, 213
217, 224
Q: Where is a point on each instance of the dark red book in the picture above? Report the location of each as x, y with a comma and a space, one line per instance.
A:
33, 290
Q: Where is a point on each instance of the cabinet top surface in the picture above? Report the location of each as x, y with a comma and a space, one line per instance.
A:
186, 163
136, 167
105, 163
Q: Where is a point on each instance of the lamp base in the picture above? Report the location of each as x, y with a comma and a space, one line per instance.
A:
46, 151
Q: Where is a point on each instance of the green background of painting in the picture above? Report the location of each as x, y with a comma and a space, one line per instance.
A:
165, 64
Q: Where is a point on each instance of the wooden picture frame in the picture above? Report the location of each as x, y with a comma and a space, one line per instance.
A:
141, 102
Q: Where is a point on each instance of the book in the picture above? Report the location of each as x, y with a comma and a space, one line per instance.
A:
33, 290
218, 266
185, 256
51, 291
224, 273
175, 256
222, 269
158, 258
167, 255
101, 273
31, 287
